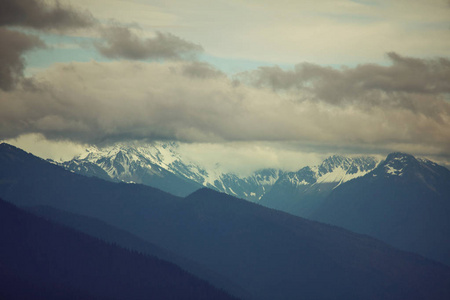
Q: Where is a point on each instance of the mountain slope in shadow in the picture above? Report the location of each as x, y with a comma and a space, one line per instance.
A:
37, 256
124, 239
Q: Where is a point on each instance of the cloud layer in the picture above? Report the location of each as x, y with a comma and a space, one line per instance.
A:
107, 102
420, 86
405, 74
121, 42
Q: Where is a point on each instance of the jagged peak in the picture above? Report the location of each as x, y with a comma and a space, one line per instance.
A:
399, 156
350, 164
335, 160
336, 168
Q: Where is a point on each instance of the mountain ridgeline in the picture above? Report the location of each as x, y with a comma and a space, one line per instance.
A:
161, 165
270, 254
306, 193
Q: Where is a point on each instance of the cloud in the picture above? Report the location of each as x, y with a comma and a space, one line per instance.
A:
33, 14
39, 14
11, 60
198, 69
244, 158
419, 85
405, 74
107, 102
120, 42
40, 146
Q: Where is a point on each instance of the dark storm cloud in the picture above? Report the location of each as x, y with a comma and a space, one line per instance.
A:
39, 15
400, 83
12, 45
121, 42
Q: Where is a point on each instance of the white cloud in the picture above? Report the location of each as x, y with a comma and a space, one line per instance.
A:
244, 157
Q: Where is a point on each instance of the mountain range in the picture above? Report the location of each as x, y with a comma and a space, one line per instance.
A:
314, 192
162, 166
268, 253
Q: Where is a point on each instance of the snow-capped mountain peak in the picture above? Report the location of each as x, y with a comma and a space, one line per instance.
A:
397, 164
335, 169
401, 165
151, 163
333, 162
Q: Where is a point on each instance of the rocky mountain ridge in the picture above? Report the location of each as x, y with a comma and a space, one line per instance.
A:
160, 165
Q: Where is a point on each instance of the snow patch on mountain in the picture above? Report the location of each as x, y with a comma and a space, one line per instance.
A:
393, 171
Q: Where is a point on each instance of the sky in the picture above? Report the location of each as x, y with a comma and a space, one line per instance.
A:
240, 84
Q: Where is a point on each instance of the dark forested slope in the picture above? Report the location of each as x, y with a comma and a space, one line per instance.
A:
43, 260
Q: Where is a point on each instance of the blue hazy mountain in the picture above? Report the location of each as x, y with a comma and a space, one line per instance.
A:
124, 239
404, 201
43, 260
273, 255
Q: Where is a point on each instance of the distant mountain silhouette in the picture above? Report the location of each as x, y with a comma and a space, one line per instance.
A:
43, 260
404, 201
273, 255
